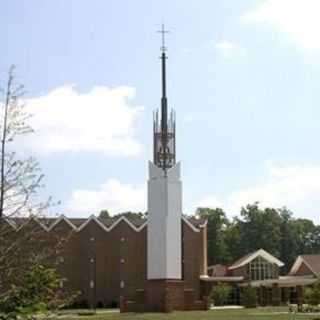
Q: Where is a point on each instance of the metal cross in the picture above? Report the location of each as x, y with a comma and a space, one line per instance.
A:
163, 32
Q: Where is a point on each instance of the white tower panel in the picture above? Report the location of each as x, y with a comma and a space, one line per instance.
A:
164, 223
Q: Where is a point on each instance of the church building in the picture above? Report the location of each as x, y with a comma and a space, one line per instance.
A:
153, 264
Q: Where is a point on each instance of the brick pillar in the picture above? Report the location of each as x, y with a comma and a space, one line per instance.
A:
299, 297
275, 295
260, 297
264, 296
286, 295
188, 299
167, 301
140, 300
123, 305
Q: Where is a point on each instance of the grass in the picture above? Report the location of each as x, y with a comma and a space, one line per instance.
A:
243, 314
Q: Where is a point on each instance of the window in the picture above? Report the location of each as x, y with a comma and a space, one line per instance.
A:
261, 269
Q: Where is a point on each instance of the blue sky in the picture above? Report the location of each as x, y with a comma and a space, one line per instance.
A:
243, 77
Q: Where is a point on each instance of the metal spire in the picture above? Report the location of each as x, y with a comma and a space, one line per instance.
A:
164, 134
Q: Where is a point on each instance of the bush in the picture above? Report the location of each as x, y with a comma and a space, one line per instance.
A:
220, 293
38, 290
114, 304
312, 294
249, 297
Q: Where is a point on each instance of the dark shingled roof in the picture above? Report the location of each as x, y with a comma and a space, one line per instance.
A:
312, 260
218, 270
240, 260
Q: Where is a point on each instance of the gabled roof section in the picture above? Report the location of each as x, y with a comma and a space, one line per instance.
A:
108, 225
62, 218
193, 223
312, 261
251, 256
218, 270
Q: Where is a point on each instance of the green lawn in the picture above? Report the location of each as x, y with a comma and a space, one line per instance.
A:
244, 314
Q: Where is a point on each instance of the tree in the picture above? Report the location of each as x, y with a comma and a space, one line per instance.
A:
249, 297
259, 228
289, 240
220, 293
104, 214
312, 294
20, 182
20, 179
216, 227
38, 290
128, 214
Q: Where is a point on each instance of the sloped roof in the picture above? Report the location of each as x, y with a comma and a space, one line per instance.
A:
251, 256
312, 261
218, 270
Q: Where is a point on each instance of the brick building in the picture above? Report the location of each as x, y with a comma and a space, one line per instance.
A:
261, 270
107, 258
143, 265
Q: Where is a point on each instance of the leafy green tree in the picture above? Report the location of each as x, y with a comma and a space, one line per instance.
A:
259, 228
289, 240
21, 180
38, 290
131, 214
104, 214
216, 227
312, 294
220, 293
249, 297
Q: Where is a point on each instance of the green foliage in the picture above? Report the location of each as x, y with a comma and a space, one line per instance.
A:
312, 294
104, 214
249, 297
217, 225
274, 230
37, 291
128, 214
220, 293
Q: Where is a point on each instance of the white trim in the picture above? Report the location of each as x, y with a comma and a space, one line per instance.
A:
190, 224
297, 265
30, 219
60, 219
222, 279
204, 224
113, 225
262, 253
92, 218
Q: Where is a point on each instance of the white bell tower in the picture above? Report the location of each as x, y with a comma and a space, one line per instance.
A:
164, 195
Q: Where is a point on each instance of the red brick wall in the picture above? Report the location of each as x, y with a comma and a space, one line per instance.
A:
108, 249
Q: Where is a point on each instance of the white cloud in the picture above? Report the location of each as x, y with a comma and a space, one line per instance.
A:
100, 120
296, 187
297, 19
228, 49
112, 195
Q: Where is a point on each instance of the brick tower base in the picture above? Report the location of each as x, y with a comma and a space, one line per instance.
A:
163, 296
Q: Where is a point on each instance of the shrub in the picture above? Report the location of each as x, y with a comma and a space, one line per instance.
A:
38, 290
114, 304
312, 294
249, 297
220, 293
